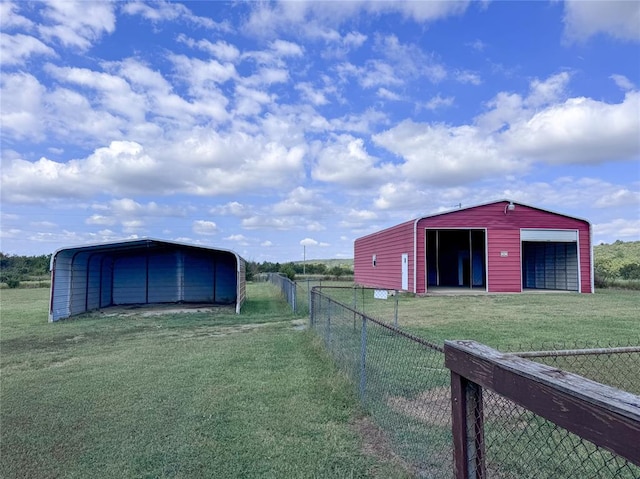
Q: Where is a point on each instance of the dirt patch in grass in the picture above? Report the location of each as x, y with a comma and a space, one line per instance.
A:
217, 331
375, 443
433, 407
146, 310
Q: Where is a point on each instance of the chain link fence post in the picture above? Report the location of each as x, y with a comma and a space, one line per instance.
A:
363, 359
327, 332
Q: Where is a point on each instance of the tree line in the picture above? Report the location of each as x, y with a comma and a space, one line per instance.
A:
14, 269
17, 269
291, 269
612, 262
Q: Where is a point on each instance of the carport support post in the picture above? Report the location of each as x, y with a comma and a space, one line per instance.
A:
363, 359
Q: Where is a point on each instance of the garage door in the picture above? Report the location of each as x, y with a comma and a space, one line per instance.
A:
550, 259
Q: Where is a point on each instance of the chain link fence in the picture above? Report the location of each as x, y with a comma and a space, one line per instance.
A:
521, 444
401, 381
405, 387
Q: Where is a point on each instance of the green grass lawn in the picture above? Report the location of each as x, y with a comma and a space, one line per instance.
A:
185, 395
511, 321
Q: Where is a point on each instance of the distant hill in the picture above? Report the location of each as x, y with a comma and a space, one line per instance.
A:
626, 251
619, 260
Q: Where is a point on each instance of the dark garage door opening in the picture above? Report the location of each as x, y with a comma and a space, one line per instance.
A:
550, 265
456, 258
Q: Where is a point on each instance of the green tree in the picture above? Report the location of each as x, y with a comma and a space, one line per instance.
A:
289, 271
630, 271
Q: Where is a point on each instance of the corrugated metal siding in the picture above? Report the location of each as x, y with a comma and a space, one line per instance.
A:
143, 271
78, 299
550, 265
199, 279
242, 285
388, 246
225, 285
503, 235
130, 280
106, 295
93, 282
61, 287
163, 278
503, 271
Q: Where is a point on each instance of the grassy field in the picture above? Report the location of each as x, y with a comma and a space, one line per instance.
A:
184, 395
221, 395
406, 386
510, 321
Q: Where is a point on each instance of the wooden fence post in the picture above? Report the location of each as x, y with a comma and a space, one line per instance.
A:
468, 428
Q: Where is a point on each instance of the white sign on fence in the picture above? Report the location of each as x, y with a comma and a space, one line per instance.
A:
380, 294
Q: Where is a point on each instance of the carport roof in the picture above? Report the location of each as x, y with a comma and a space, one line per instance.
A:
134, 244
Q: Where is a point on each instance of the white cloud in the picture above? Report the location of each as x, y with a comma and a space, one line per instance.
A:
345, 161
238, 238
221, 50
77, 23
402, 195
114, 93
267, 221
21, 100
374, 73
467, 77
17, 49
408, 60
203, 227
445, 155
101, 220
233, 208
618, 18
283, 48
388, 95
267, 19
618, 197
301, 202
580, 131
617, 229
549, 91
164, 11
477, 45
623, 82
309, 242
10, 18
358, 218
437, 102
312, 95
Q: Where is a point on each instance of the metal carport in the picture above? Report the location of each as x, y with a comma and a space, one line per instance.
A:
143, 271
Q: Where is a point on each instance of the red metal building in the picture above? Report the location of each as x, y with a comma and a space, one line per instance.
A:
497, 247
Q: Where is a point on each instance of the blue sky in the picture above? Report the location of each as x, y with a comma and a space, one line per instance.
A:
263, 126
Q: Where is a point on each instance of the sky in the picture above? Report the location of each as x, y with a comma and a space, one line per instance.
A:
286, 130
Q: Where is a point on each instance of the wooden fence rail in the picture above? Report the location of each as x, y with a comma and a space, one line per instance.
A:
603, 415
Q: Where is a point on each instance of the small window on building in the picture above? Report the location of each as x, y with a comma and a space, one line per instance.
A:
373, 260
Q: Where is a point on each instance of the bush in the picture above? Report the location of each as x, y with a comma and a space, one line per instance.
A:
13, 283
630, 271
289, 271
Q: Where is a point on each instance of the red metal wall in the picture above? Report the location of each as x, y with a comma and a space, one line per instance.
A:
388, 246
503, 235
